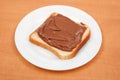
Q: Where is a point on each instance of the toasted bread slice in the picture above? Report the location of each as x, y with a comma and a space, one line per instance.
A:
34, 38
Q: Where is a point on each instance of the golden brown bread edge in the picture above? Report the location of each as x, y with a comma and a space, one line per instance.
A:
71, 54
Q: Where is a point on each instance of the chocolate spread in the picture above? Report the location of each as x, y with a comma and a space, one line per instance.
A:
61, 32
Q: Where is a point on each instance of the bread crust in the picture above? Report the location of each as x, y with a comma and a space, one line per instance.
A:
34, 38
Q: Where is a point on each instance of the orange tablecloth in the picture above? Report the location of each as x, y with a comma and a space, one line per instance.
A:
105, 66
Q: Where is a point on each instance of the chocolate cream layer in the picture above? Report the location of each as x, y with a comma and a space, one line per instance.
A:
61, 32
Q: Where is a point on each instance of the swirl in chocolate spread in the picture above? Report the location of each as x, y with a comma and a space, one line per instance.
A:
61, 32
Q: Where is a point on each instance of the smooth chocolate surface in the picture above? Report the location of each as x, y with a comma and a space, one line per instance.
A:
61, 32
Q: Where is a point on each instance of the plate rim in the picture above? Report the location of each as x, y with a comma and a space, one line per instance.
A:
56, 69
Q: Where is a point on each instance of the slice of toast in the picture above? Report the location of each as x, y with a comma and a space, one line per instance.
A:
34, 38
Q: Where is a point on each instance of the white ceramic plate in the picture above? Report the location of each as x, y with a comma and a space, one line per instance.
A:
44, 58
